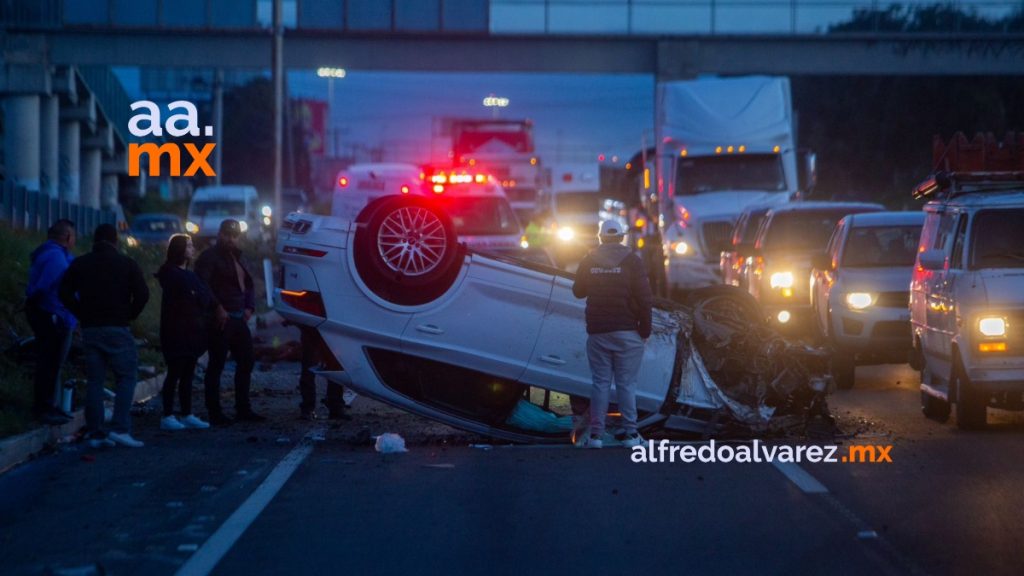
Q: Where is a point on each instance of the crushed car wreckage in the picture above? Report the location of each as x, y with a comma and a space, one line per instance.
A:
496, 345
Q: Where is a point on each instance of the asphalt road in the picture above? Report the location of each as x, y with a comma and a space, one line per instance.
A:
263, 500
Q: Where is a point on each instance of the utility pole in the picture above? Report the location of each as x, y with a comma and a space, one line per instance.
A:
277, 71
218, 121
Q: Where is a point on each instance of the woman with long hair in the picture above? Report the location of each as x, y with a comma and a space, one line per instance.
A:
186, 310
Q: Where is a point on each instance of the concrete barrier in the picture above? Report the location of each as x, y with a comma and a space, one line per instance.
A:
20, 448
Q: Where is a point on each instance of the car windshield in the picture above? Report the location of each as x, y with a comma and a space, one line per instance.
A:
997, 239
169, 225
475, 216
881, 246
732, 172
578, 203
218, 208
802, 229
749, 232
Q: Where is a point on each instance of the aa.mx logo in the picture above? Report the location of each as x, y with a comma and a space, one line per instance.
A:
150, 115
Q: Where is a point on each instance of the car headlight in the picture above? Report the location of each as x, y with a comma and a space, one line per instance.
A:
523, 242
859, 300
681, 248
992, 326
191, 227
243, 225
266, 211
266, 220
132, 242
566, 234
781, 280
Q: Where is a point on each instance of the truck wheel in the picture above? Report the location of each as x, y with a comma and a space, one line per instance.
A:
407, 251
971, 403
843, 370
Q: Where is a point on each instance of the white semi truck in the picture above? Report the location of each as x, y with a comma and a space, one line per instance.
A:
723, 144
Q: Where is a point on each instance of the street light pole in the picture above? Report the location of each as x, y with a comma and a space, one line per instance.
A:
330, 74
277, 71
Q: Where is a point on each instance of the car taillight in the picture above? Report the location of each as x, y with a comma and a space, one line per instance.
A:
304, 301
343, 182
405, 189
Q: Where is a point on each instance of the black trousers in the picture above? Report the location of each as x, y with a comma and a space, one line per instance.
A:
237, 339
52, 343
180, 372
307, 380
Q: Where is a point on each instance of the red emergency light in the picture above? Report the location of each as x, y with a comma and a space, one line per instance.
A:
343, 182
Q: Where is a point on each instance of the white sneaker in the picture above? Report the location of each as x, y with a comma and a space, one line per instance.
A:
125, 439
593, 442
171, 423
630, 440
193, 421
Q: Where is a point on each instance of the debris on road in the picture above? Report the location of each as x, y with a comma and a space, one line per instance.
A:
390, 443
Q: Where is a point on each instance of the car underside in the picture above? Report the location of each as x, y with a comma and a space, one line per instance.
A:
497, 345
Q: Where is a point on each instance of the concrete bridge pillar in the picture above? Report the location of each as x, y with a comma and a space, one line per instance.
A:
92, 163
21, 139
108, 191
49, 120
69, 161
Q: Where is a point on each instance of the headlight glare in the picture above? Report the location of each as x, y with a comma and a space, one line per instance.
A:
681, 248
191, 227
992, 326
566, 234
781, 280
243, 225
859, 300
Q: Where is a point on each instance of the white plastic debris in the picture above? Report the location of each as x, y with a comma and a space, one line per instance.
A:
390, 443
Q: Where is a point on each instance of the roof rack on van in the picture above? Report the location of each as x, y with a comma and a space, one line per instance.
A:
979, 165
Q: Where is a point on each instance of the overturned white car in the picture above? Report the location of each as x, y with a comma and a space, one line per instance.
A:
497, 345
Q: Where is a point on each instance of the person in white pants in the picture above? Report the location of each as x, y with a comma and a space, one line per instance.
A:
613, 280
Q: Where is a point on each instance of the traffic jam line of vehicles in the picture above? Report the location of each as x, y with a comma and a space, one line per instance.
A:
424, 296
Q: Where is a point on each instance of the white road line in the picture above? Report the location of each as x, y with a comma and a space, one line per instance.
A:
803, 480
217, 546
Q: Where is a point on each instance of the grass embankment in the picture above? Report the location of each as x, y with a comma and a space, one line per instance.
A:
15, 381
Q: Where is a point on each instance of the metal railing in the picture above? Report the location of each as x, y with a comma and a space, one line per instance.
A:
605, 17
35, 211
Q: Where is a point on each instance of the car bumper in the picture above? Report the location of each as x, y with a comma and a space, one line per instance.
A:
1003, 374
875, 331
692, 272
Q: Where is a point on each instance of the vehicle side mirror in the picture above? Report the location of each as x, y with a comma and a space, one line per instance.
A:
807, 173
821, 262
932, 260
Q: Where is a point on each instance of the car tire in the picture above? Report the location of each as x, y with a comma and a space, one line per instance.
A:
843, 369
971, 403
406, 251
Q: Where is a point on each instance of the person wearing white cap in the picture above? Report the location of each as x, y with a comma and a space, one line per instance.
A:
613, 280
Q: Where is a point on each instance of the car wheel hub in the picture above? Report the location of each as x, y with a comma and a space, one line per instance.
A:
411, 241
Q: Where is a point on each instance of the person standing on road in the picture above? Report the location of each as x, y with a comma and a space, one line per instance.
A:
51, 322
618, 314
186, 311
311, 356
106, 291
221, 268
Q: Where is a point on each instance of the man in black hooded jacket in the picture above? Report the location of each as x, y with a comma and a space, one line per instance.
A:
618, 313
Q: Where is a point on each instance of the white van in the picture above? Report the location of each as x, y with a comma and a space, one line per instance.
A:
360, 184
211, 205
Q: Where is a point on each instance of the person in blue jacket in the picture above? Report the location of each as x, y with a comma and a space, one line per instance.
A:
51, 322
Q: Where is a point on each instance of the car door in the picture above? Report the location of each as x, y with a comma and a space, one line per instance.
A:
824, 280
489, 323
939, 312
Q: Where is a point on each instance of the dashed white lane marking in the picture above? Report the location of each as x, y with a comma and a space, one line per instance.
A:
213, 550
803, 480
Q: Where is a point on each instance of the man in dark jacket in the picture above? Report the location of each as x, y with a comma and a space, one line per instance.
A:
51, 322
222, 269
105, 290
614, 282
